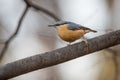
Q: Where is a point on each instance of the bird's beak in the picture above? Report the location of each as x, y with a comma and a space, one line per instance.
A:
52, 25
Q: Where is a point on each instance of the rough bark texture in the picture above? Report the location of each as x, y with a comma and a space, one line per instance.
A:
55, 57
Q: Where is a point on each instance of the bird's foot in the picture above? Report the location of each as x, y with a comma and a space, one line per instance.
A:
69, 44
86, 43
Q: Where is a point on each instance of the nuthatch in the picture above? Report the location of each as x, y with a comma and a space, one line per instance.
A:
70, 32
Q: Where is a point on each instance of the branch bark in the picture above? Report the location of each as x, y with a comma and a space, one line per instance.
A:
58, 56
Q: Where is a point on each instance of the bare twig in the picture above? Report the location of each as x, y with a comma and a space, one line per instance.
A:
7, 43
30, 3
58, 56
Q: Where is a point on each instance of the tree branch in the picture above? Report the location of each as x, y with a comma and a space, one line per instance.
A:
30, 3
7, 43
58, 56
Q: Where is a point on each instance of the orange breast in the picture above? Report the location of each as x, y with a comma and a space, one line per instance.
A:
69, 35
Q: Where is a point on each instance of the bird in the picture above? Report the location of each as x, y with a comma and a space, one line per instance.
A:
70, 31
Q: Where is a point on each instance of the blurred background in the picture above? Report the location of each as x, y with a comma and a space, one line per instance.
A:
35, 37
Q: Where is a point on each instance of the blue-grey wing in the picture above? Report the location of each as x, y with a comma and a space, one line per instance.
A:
73, 26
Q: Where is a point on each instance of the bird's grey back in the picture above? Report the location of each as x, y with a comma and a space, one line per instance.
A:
74, 26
